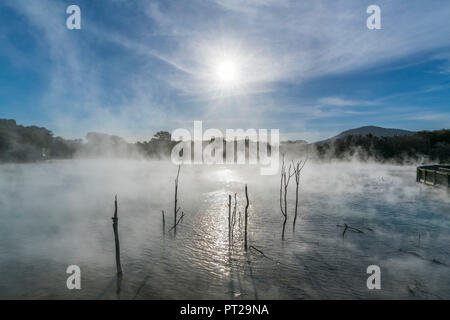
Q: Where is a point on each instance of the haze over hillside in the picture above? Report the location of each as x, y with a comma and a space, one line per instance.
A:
373, 130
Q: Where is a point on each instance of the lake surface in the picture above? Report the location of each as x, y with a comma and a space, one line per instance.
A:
58, 213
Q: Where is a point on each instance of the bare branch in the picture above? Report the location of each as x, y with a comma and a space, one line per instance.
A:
179, 219
347, 227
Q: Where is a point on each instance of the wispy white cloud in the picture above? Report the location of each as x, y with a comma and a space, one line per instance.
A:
431, 116
340, 102
444, 56
75, 98
272, 42
294, 41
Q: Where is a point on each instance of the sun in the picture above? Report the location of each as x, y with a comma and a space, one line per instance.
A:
224, 69
227, 72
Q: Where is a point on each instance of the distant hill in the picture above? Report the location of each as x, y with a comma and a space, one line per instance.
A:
381, 144
295, 142
373, 130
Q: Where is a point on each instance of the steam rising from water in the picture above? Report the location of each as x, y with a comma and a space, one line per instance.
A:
59, 213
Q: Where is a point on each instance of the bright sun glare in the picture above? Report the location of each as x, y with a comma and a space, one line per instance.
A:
224, 70
227, 72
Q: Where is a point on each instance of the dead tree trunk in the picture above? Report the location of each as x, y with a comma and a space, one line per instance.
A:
246, 218
176, 208
297, 170
284, 183
229, 219
296, 207
116, 238
164, 222
284, 227
234, 216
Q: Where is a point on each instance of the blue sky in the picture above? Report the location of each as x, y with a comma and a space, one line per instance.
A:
308, 68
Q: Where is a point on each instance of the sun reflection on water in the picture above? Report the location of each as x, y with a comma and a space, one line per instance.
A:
224, 175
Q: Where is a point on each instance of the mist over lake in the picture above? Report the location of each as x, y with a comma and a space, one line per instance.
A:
58, 213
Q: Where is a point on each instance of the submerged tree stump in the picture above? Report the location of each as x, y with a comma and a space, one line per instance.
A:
176, 208
115, 220
163, 223
246, 218
229, 219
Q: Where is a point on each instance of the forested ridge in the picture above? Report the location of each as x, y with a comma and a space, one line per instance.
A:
31, 143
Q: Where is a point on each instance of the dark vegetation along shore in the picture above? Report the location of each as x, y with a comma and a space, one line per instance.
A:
28, 144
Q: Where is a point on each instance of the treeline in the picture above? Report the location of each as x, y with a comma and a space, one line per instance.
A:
26, 144
160, 146
425, 145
